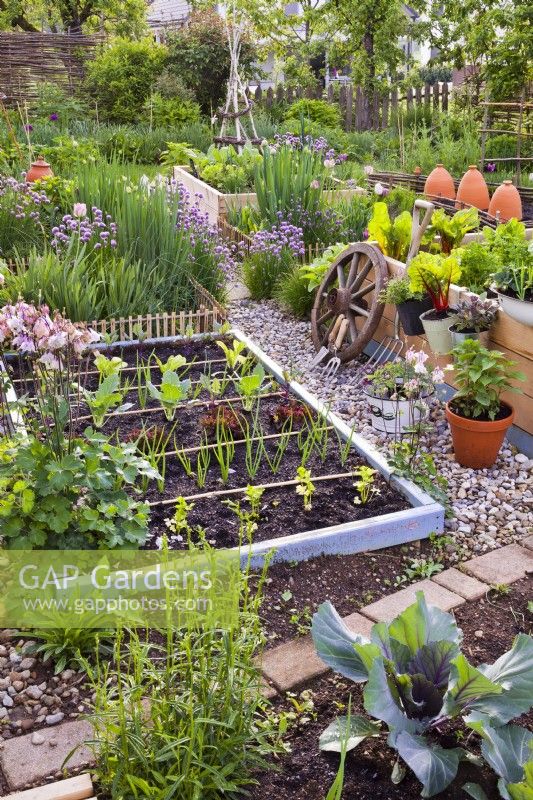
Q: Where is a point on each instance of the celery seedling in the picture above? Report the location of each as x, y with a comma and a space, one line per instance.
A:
365, 485
109, 395
305, 487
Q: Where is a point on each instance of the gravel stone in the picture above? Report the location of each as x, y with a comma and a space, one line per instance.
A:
480, 499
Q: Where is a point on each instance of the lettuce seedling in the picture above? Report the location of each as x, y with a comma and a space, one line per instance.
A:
417, 680
171, 391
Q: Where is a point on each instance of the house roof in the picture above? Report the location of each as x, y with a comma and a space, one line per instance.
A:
165, 12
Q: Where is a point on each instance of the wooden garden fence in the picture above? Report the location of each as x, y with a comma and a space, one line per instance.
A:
27, 59
360, 112
204, 319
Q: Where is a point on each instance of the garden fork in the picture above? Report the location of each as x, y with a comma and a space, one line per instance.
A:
334, 363
325, 349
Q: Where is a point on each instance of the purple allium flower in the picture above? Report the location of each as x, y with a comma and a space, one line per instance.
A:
28, 127
53, 117
491, 167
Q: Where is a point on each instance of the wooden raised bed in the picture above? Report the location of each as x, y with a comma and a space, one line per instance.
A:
216, 204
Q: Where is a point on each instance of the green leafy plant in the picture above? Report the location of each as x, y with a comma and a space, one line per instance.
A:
392, 236
326, 114
108, 396
481, 377
73, 501
416, 679
120, 78
171, 392
365, 486
433, 274
234, 354
477, 265
108, 366
70, 646
170, 111
398, 290
305, 487
249, 386
451, 230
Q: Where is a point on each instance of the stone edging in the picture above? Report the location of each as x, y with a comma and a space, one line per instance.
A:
294, 663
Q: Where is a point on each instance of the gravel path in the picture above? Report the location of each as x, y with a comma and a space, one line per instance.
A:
492, 507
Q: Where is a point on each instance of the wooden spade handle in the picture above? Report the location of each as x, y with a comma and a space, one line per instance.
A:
341, 334
334, 331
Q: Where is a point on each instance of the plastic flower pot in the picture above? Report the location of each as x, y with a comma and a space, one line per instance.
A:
460, 336
519, 310
393, 416
409, 313
476, 443
437, 330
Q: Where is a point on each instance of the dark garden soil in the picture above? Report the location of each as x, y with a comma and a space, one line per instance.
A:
292, 593
306, 774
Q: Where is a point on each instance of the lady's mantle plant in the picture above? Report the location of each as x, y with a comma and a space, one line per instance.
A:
417, 680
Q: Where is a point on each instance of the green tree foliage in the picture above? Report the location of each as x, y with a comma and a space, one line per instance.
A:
199, 56
120, 79
495, 37
368, 39
122, 17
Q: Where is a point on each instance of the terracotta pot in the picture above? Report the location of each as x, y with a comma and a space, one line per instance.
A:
476, 444
439, 183
506, 200
38, 170
473, 190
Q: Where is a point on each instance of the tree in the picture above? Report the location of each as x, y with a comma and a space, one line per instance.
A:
285, 33
492, 37
123, 17
199, 55
368, 39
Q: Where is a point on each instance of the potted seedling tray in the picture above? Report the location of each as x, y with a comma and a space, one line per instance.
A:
240, 424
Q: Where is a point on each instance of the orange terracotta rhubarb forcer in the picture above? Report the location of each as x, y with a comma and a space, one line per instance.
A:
506, 202
439, 183
473, 190
38, 170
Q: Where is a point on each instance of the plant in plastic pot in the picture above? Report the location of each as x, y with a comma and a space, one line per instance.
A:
477, 416
514, 279
475, 317
397, 393
434, 274
409, 304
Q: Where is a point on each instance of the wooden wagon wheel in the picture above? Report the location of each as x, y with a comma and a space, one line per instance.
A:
351, 287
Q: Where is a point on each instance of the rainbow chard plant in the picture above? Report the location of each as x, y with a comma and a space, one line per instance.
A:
434, 274
417, 681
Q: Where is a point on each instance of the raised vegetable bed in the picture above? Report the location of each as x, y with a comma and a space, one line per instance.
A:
216, 204
396, 512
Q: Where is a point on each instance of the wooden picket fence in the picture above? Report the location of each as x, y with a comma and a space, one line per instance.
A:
208, 315
360, 112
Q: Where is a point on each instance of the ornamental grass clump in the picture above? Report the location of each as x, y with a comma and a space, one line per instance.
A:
272, 254
417, 681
